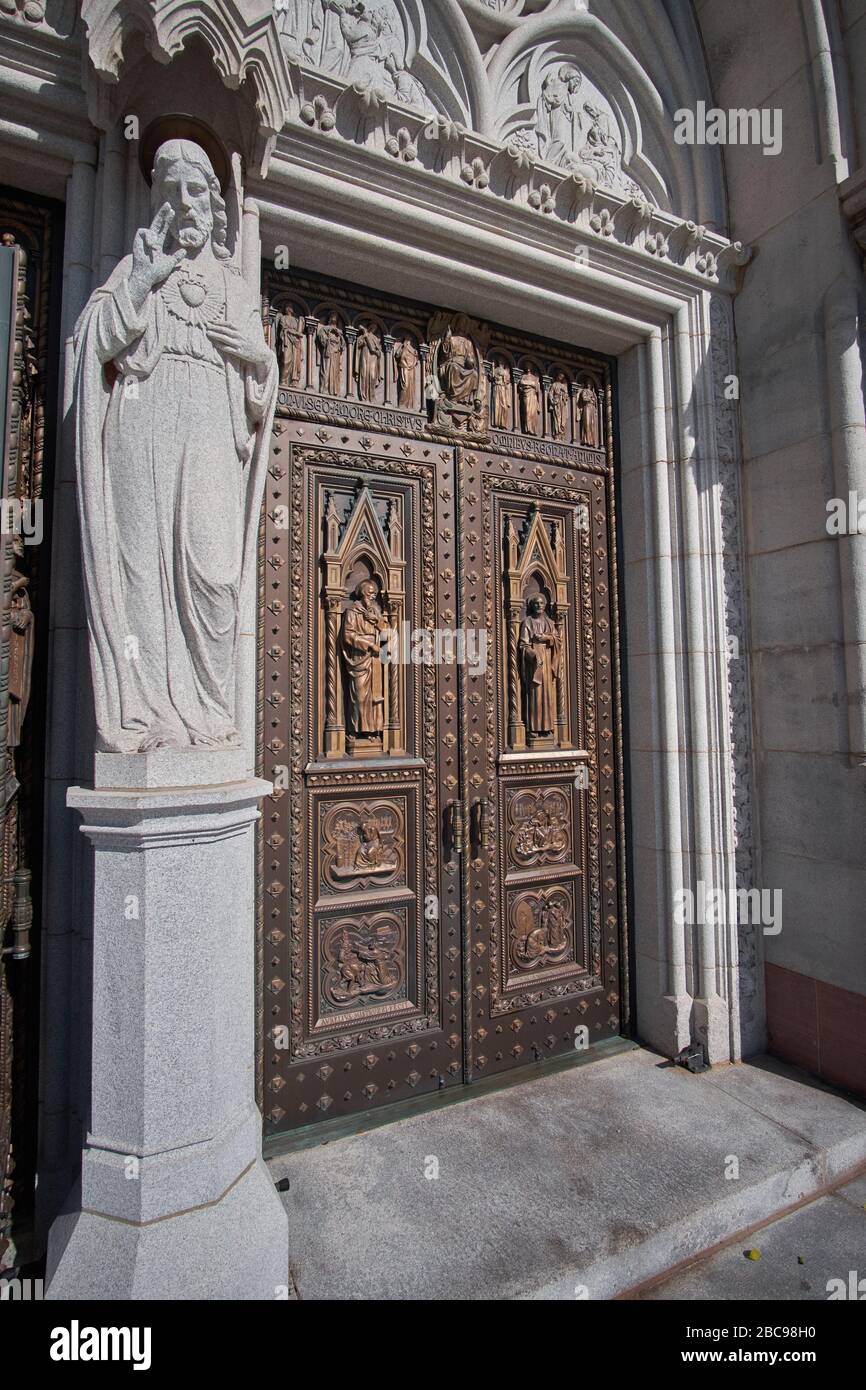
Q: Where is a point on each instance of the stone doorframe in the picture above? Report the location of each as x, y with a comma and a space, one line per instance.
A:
685, 678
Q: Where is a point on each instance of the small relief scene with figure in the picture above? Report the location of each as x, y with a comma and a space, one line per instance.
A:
361, 42
541, 928
363, 960
362, 844
559, 116
363, 606
536, 620
463, 378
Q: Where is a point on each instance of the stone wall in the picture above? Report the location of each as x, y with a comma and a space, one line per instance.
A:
797, 322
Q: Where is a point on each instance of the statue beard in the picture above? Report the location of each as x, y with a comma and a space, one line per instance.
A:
193, 231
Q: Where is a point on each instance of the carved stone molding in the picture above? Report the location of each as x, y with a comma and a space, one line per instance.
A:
852, 195
542, 105
241, 35
739, 703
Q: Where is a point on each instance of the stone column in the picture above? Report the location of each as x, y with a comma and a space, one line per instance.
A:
546, 423
175, 1201
388, 342
310, 326
516, 414
424, 353
351, 384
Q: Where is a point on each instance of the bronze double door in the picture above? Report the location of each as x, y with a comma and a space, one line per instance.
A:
441, 857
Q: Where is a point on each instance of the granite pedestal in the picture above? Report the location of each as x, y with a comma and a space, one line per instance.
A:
174, 1199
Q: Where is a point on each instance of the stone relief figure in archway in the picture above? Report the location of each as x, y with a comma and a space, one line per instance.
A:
539, 648
363, 622
407, 357
587, 413
529, 391
558, 399
557, 118
368, 363
601, 148
174, 394
360, 41
289, 329
331, 344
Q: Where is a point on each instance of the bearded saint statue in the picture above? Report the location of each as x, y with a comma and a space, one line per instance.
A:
540, 650
174, 394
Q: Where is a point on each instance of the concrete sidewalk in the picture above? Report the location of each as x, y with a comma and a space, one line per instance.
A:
599, 1177
819, 1250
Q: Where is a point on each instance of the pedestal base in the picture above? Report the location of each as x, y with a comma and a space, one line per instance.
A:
236, 1248
174, 1200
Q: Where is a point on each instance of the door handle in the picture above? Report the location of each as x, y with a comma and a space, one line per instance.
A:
455, 822
480, 827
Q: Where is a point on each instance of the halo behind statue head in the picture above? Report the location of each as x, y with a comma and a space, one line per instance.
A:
188, 132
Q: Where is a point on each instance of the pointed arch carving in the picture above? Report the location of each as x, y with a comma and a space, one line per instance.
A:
364, 695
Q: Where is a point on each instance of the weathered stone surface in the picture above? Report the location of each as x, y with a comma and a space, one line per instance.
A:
171, 465
599, 1177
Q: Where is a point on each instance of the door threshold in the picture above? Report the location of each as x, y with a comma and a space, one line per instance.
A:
310, 1136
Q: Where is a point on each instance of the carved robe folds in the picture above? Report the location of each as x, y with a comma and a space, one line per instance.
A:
540, 652
171, 455
359, 641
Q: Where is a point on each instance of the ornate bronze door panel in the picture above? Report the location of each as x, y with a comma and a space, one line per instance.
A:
441, 861
541, 905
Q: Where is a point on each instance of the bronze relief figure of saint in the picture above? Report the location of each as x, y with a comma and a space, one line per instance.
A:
458, 367
501, 396
331, 344
529, 390
540, 660
360, 645
368, 363
290, 346
587, 410
558, 400
406, 357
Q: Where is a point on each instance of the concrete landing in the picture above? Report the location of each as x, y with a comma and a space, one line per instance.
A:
596, 1179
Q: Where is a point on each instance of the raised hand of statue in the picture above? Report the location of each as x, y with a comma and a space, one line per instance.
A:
234, 343
151, 263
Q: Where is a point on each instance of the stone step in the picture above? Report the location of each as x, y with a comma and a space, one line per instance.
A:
582, 1183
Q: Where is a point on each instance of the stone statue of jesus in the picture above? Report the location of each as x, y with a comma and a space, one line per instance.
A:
174, 397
